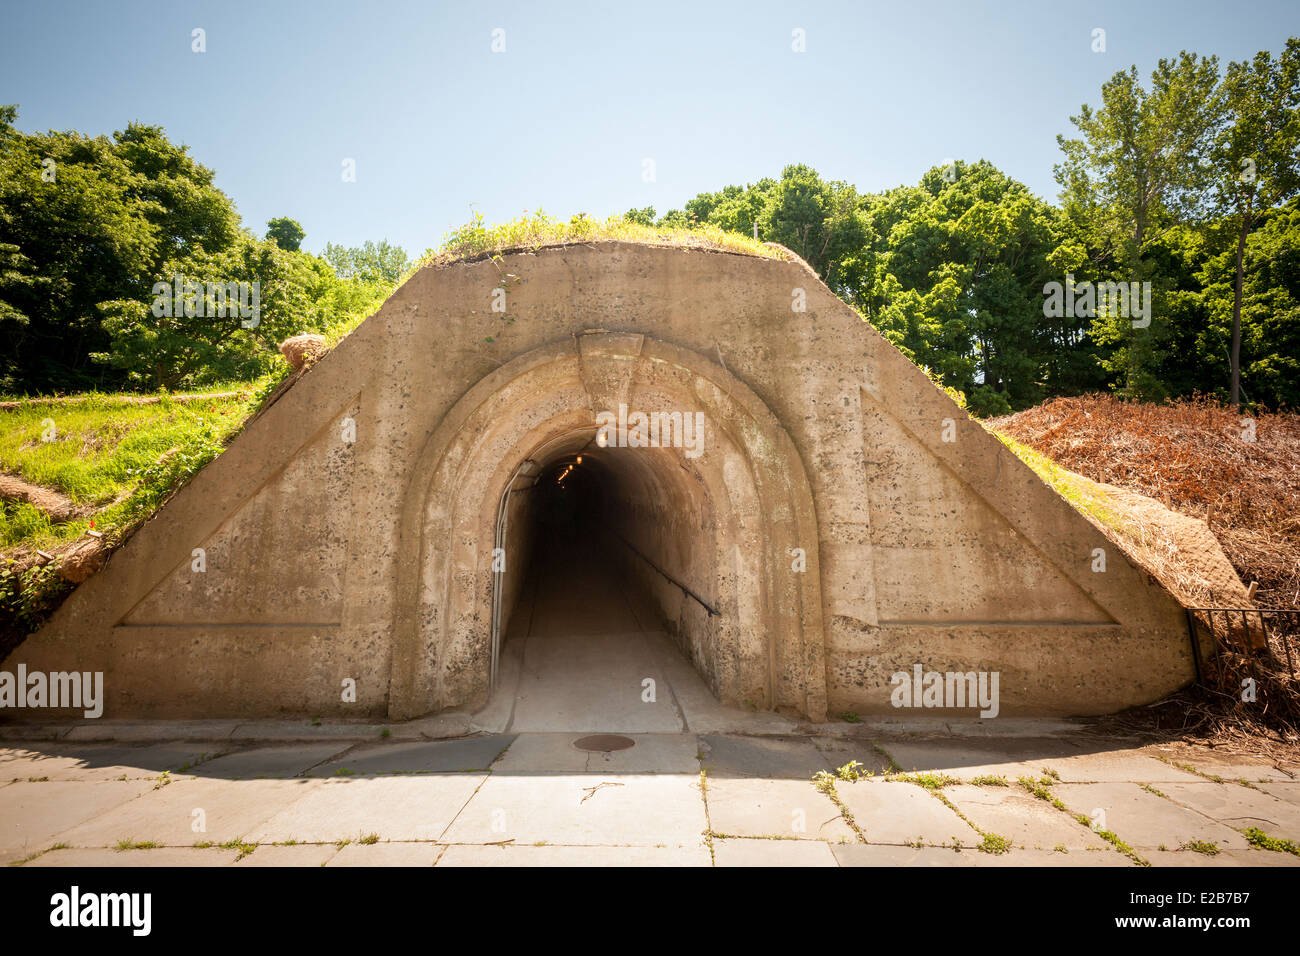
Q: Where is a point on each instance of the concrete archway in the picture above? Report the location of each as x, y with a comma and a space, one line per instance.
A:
727, 524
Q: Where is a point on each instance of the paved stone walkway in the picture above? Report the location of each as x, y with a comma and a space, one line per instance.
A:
672, 799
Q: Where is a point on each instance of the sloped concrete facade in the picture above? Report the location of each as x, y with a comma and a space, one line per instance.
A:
842, 521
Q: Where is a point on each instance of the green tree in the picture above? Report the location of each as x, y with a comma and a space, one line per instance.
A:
286, 233
370, 262
644, 217
76, 229
1140, 166
1268, 313
1255, 158
822, 222
959, 285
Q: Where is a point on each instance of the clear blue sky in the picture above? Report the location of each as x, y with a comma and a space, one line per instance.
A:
583, 93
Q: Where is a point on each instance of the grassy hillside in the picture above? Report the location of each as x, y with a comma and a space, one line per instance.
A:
94, 450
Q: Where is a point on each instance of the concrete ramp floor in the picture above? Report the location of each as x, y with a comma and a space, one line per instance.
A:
580, 649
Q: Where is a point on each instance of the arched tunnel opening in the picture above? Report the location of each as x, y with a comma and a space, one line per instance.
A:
605, 598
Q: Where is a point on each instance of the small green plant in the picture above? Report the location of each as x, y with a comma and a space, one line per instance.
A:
850, 717
852, 771
1258, 838
930, 781
989, 780
243, 848
385, 732
137, 845
368, 839
994, 844
1201, 846
824, 781
344, 772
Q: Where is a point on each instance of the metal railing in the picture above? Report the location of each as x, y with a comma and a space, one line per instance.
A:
713, 611
1248, 632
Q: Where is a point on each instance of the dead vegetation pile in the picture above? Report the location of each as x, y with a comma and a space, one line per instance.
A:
1238, 472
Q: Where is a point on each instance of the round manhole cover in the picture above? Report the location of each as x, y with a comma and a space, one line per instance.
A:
604, 743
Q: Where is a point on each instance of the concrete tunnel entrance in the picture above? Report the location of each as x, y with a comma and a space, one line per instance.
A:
607, 555
697, 539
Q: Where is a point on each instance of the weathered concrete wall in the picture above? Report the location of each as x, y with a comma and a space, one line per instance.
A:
334, 555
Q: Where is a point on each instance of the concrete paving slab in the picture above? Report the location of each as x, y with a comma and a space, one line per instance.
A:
1288, 792
1239, 807
839, 751
887, 855
969, 758
85, 762
858, 854
601, 856
394, 808
772, 853
226, 809
1022, 818
387, 854
555, 753
300, 854
636, 809
466, 754
579, 682
1115, 766
1144, 820
275, 761
1224, 858
32, 814
903, 813
752, 807
1036, 858
701, 711
54, 761
162, 856
1226, 766
790, 758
